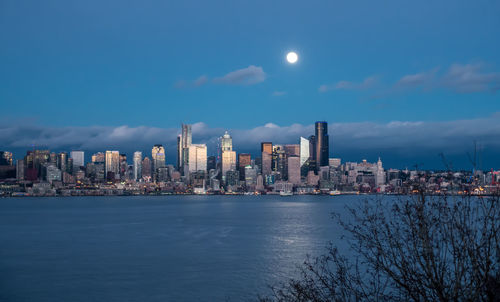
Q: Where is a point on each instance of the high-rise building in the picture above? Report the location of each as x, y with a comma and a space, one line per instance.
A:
267, 151
98, 157
78, 159
6, 158
292, 150
137, 165
112, 164
244, 159
185, 141
124, 175
380, 174
20, 167
334, 162
158, 157
211, 163
279, 162
294, 170
322, 148
226, 142
304, 150
62, 161
146, 168
228, 159
197, 157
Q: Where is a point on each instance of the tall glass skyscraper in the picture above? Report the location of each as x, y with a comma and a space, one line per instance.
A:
322, 149
137, 165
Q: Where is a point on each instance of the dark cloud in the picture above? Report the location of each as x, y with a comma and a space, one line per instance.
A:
397, 142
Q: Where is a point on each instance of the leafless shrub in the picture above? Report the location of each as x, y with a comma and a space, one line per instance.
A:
421, 248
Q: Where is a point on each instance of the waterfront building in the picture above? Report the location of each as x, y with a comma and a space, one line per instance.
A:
294, 170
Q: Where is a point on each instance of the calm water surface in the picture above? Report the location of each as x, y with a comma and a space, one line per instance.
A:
171, 248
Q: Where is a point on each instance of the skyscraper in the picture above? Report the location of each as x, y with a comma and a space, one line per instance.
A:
244, 159
158, 157
228, 155
304, 150
146, 168
112, 163
197, 157
6, 158
185, 141
78, 159
98, 157
267, 151
294, 169
322, 148
137, 165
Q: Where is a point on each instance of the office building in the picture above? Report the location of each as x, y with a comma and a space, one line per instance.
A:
137, 165
158, 157
228, 157
322, 144
78, 159
244, 159
112, 159
197, 158
294, 170
146, 169
266, 151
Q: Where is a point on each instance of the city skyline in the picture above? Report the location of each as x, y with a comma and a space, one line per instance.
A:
385, 76
401, 145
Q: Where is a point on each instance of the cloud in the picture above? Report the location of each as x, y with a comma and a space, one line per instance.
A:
279, 93
347, 85
246, 76
351, 141
202, 80
470, 78
422, 79
460, 78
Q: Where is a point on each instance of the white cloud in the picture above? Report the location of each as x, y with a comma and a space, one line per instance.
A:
246, 76
348, 85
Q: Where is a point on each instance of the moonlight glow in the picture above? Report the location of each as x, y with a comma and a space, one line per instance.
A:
292, 57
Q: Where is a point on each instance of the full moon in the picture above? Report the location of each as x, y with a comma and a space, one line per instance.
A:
292, 57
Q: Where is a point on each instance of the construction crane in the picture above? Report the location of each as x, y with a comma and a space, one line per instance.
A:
473, 161
448, 164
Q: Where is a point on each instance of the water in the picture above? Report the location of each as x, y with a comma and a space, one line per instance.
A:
165, 248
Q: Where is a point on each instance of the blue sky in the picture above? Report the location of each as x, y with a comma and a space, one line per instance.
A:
159, 63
